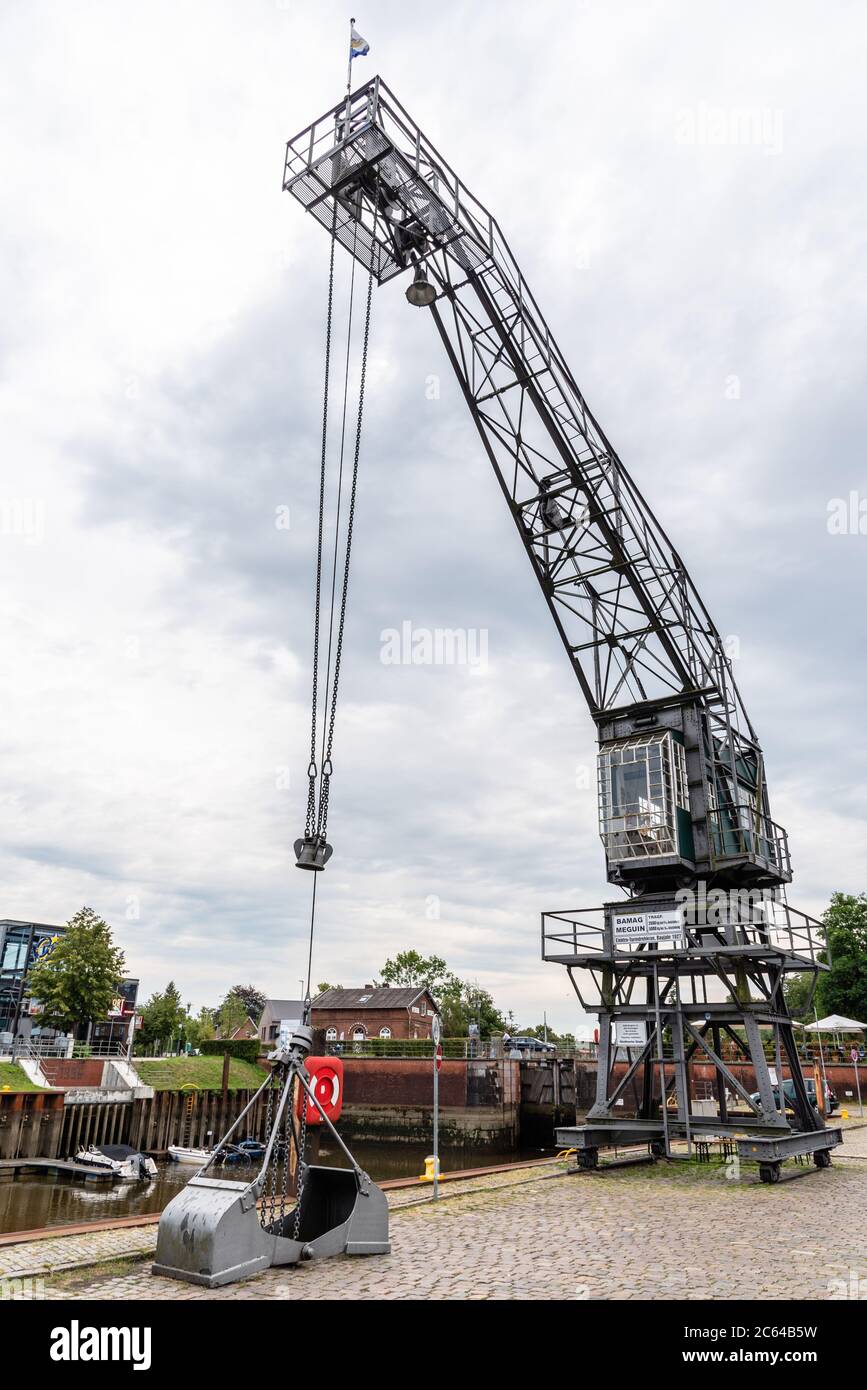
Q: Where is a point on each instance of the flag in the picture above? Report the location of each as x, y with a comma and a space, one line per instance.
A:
358, 47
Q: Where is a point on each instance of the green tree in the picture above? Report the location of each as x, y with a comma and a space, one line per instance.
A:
163, 1018
76, 983
245, 997
324, 986
460, 1002
796, 988
230, 1015
199, 1029
463, 1002
427, 972
843, 989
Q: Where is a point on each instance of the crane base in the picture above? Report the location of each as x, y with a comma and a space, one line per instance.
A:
212, 1234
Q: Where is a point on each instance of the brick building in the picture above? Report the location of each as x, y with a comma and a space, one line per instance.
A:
354, 1015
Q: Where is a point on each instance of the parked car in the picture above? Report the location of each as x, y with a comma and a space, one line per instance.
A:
532, 1045
831, 1101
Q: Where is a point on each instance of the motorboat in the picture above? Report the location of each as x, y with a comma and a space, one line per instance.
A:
125, 1163
247, 1152
179, 1153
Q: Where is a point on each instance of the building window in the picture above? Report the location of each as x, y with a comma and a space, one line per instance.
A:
331, 1035
385, 1032
359, 1033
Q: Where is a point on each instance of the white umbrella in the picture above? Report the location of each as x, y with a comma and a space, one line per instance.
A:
836, 1023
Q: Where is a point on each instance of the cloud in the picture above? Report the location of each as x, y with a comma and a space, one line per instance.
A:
162, 358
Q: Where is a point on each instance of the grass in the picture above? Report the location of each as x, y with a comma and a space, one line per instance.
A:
70, 1280
171, 1073
12, 1076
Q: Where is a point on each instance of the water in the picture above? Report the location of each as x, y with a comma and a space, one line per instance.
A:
35, 1203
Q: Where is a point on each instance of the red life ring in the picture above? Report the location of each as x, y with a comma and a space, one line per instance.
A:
326, 1079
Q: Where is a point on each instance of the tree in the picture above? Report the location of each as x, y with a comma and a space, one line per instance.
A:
230, 1015
796, 989
197, 1030
76, 983
464, 1002
843, 989
163, 1018
325, 986
251, 999
427, 972
460, 1002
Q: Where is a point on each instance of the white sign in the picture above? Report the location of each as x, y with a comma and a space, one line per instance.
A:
631, 1032
435, 1028
648, 926
287, 1027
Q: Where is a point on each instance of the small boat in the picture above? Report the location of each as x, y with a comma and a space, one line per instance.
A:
126, 1163
180, 1154
247, 1152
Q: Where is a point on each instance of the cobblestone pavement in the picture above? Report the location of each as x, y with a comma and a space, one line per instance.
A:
47, 1256
648, 1232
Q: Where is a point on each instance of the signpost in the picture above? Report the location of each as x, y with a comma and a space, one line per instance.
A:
855, 1054
436, 1034
631, 1032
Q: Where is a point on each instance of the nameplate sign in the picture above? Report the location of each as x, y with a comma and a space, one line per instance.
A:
645, 927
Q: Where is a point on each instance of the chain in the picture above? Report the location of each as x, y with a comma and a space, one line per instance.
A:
311, 770
287, 1151
327, 766
300, 1170
269, 1111
272, 1195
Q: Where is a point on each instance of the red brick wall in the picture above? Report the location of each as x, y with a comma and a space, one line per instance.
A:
73, 1071
840, 1077
402, 1081
402, 1022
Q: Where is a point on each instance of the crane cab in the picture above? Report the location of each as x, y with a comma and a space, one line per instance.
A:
644, 818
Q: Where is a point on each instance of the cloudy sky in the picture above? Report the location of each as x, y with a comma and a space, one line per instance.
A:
682, 187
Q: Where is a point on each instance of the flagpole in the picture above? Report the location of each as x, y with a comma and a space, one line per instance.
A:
348, 81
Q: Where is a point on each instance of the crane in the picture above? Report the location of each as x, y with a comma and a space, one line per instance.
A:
691, 959
690, 962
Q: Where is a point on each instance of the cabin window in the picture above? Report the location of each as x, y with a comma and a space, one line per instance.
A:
642, 787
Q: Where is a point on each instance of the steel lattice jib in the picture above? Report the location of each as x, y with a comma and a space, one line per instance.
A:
643, 798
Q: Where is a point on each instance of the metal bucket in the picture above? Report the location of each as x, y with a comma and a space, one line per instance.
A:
212, 1234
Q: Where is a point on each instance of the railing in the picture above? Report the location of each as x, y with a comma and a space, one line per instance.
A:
35, 1052
112, 1049
737, 832
573, 933
454, 1049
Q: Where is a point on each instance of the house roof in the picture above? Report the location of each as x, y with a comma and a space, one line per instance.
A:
381, 997
283, 1008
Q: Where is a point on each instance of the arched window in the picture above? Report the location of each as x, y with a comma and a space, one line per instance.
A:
385, 1032
359, 1033
331, 1035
